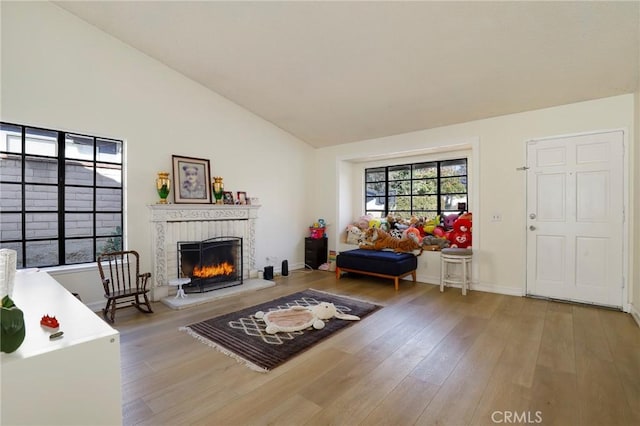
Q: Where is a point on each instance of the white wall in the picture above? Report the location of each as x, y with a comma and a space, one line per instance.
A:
499, 246
61, 73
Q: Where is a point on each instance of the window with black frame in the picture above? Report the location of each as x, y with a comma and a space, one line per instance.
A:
424, 189
61, 195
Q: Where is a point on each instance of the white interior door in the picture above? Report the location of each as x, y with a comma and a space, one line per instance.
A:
575, 215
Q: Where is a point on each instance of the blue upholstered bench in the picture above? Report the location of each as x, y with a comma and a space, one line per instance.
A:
385, 264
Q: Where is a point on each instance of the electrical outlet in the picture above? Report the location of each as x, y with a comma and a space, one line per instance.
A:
496, 217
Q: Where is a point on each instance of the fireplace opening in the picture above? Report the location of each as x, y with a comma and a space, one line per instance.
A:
211, 264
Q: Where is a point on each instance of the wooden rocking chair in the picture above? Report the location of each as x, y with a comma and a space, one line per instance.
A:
124, 285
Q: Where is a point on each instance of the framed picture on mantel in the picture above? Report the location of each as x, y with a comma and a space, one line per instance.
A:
192, 177
242, 197
227, 197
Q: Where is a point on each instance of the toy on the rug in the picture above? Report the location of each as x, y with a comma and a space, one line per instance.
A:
299, 318
460, 237
377, 239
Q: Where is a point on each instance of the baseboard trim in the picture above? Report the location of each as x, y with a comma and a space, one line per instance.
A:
635, 314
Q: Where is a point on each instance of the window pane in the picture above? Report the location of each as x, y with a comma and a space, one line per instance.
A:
375, 203
10, 197
42, 253
41, 225
10, 227
79, 173
78, 147
453, 168
399, 172
41, 142
402, 187
108, 245
450, 202
78, 224
10, 138
452, 185
78, 251
108, 224
375, 175
108, 175
41, 170
375, 213
41, 197
426, 202
109, 150
377, 189
399, 203
425, 186
108, 199
18, 248
425, 170
76, 198
10, 168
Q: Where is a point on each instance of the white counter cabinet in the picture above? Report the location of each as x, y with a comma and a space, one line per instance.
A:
72, 380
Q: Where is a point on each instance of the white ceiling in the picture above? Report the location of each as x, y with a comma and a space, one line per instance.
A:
338, 72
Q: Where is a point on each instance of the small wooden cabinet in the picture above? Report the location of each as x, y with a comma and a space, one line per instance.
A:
315, 252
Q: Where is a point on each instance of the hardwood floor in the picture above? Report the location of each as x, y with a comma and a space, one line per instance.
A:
425, 358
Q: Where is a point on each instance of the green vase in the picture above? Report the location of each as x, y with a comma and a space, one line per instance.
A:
12, 329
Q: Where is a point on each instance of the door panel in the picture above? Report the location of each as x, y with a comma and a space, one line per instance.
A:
575, 218
551, 197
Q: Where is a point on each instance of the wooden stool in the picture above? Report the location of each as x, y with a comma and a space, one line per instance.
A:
456, 256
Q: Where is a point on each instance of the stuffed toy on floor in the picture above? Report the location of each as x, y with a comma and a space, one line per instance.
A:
299, 318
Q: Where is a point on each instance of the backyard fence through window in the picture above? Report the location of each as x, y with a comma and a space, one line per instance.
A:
61, 195
424, 189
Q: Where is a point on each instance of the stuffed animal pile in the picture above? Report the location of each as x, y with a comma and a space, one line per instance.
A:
399, 234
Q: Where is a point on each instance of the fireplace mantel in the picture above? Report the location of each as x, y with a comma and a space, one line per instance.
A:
179, 222
184, 212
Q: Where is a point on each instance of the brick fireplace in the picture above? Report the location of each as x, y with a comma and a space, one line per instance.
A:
174, 223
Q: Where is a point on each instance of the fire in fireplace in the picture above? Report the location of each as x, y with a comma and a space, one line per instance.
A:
211, 264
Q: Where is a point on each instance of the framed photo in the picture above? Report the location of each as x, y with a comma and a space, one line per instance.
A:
227, 197
192, 177
242, 197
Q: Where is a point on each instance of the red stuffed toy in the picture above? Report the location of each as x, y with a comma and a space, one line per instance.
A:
460, 237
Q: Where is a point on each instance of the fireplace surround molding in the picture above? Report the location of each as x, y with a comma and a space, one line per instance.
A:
171, 223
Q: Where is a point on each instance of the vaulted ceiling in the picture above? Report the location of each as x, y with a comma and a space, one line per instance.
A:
338, 72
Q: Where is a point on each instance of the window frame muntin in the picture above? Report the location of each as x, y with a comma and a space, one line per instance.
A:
438, 178
61, 186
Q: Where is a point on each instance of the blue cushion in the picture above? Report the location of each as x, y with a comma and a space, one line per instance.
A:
379, 262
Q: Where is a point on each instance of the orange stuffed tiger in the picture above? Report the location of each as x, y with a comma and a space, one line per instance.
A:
377, 239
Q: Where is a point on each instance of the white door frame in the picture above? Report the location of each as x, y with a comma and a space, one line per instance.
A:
626, 224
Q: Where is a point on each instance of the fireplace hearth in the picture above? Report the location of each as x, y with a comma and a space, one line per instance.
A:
211, 264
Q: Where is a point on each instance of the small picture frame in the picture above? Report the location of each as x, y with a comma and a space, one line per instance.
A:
242, 197
227, 197
192, 177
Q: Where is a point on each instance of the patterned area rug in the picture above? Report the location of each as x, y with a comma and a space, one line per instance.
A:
242, 336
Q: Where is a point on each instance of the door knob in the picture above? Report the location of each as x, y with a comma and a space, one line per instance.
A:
532, 228
532, 216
